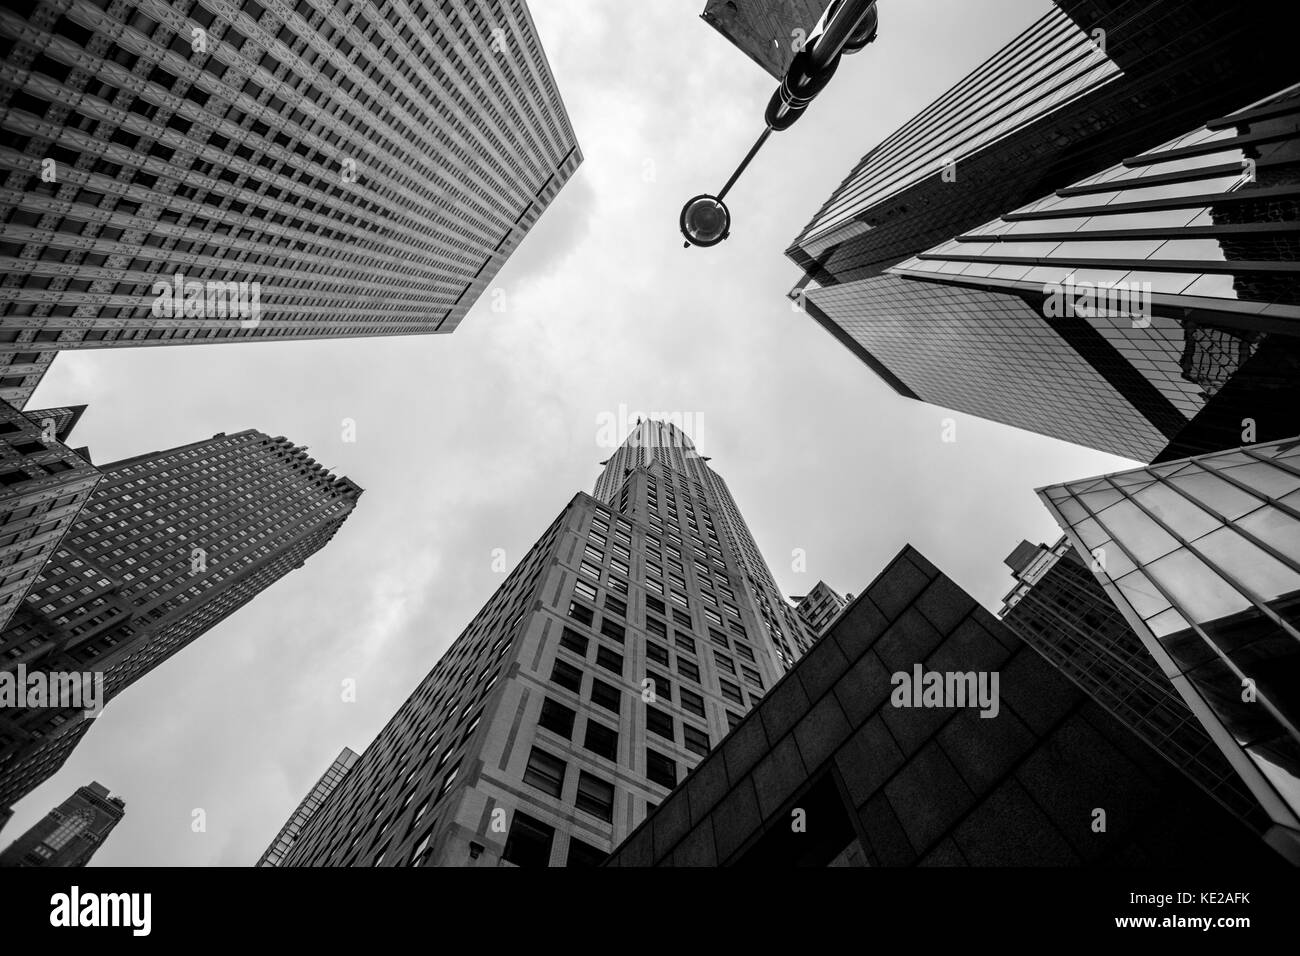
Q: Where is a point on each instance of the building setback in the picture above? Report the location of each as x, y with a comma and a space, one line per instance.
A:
363, 168
43, 486
818, 607
170, 544
70, 834
641, 626
831, 770
1076, 165
330, 779
1202, 557
1058, 608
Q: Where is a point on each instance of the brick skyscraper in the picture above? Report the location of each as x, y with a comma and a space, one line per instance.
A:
43, 486
70, 834
628, 641
369, 166
170, 544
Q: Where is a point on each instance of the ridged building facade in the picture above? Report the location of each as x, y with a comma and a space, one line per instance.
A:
287, 170
631, 638
170, 544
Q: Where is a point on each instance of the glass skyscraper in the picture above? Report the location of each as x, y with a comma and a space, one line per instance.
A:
288, 171
289, 833
1058, 608
169, 544
1202, 557
1054, 145
634, 634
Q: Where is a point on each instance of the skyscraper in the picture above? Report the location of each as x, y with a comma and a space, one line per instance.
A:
330, 779
766, 31
43, 486
169, 544
962, 259
70, 834
177, 175
1058, 608
1202, 557
819, 607
640, 627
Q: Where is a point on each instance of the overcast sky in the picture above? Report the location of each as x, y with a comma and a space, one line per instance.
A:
476, 440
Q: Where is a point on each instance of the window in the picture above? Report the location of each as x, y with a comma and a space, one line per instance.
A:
557, 718
731, 692
660, 769
545, 772
724, 662
581, 613
574, 641
567, 676
610, 660
590, 569
696, 740
601, 740
586, 590
659, 722
605, 696
732, 720
656, 652
595, 796
654, 604
691, 702
584, 854
688, 670
613, 630
717, 637
529, 842
615, 605
680, 619
656, 626
751, 675
660, 686
684, 642
745, 651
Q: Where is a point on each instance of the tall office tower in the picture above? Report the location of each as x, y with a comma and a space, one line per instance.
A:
170, 544
71, 833
910, 267
819, 607
203, 172
625, 644
767, 31
1058, 608
43, 486
1202, 557
330, 779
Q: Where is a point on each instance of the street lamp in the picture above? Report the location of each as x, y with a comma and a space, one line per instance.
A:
845, 27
